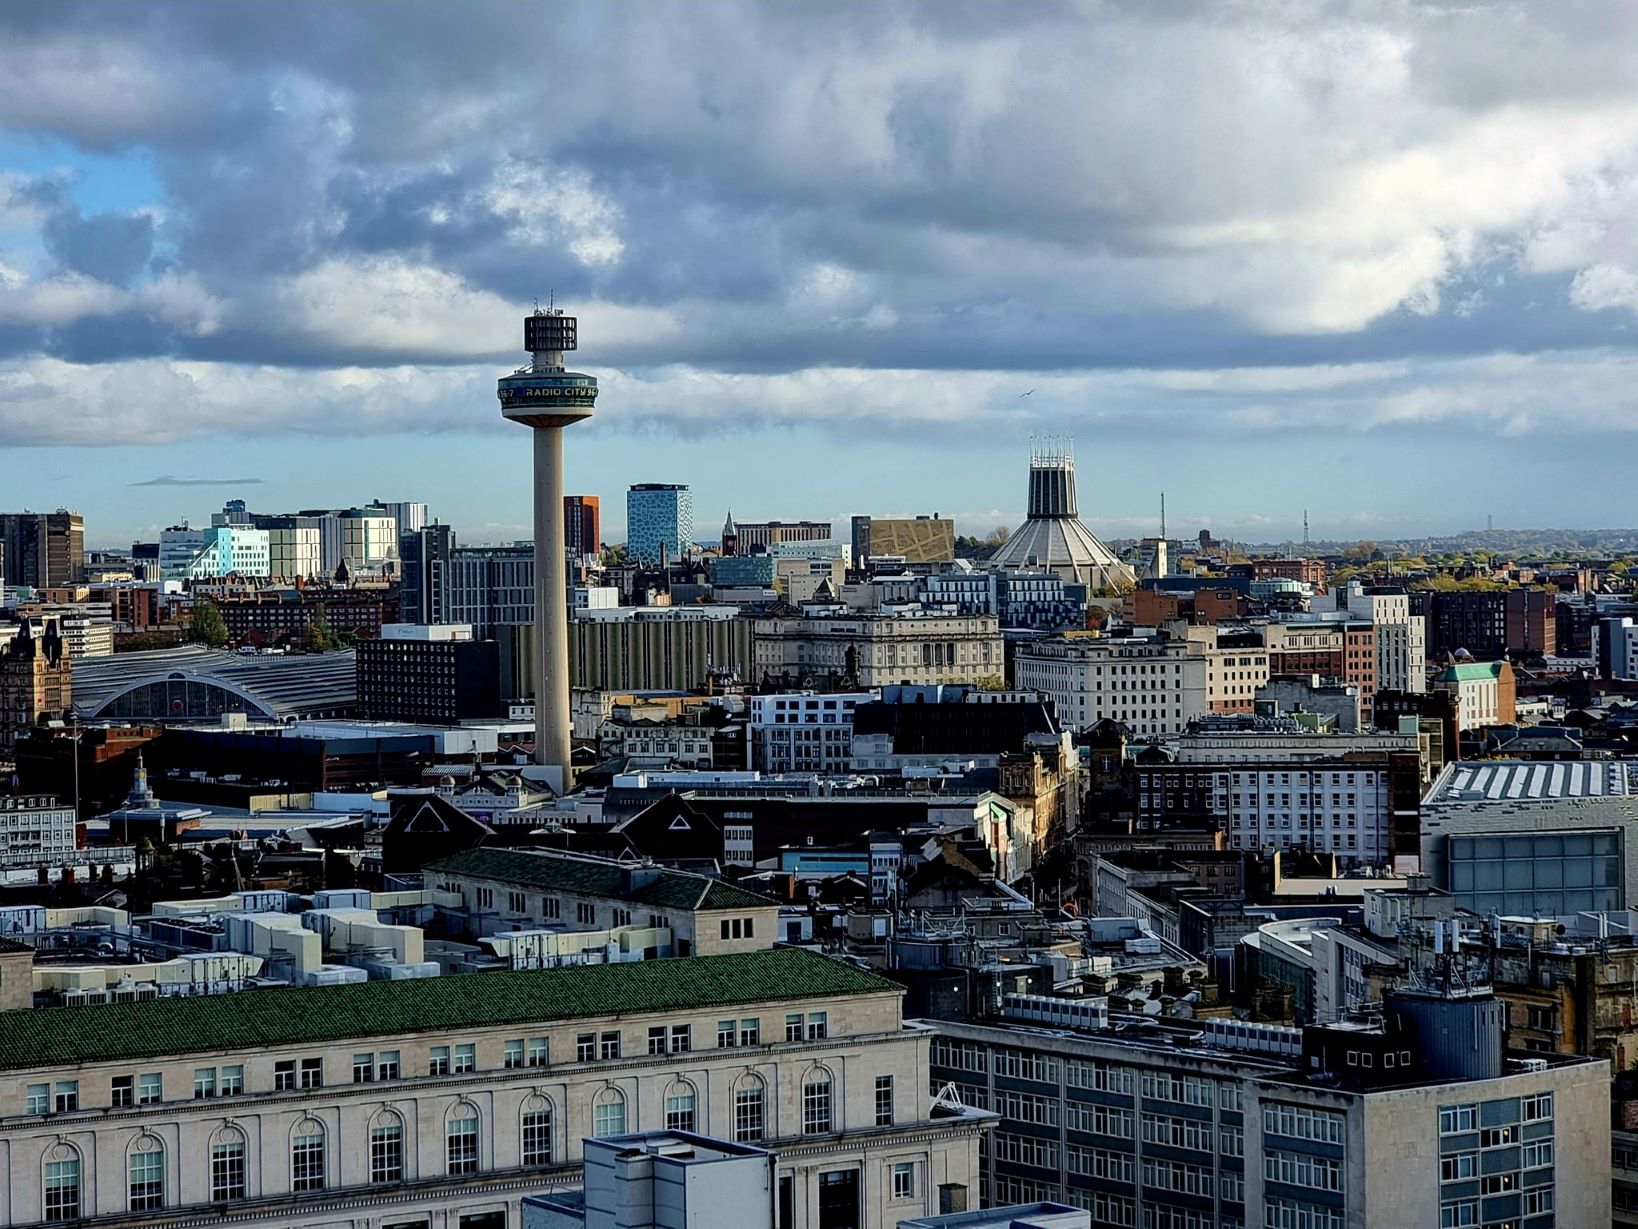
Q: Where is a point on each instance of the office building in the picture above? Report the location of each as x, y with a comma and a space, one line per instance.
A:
491, 587
916, 540
658, 648
35, 829
42, 550
805, 731
1491, 624
750, 535
1418, 1119
1532, 838
407, 515
1400, 637
446, 1100
295, 548
1615, 647
829, 646
1334, 647
436, 674
660, 521
582, 525
1152, 684
424, 578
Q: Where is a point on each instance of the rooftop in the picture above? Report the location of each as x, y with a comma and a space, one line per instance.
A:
162, 1028
1530, 781
276, 686
658, 887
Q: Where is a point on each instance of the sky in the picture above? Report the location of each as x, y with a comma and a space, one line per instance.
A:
1378, 261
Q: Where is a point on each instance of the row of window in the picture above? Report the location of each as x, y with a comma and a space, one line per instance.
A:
308, 1170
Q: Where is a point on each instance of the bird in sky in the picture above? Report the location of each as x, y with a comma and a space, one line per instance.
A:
1031, 393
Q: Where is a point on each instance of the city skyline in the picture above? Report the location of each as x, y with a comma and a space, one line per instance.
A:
1357, 254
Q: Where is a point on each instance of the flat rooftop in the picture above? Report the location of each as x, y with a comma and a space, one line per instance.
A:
1530, 781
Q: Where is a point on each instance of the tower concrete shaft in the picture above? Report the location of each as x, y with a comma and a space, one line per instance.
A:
546, 398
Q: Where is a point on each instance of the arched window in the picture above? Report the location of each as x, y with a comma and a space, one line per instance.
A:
461, 1139
307, 1156
227, 1165
816, 1102
146, 1168
536, 1131
386, 1147
750, 1109
61, 1183
681, 1105
609, 1113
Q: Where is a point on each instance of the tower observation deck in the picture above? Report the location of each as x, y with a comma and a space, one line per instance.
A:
546, 398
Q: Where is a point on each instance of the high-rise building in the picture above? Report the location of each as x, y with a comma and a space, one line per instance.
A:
583, 524
1053, 537
228, 549
424, 585
43, 550
408, 515
295, 547
433, 674
659, 518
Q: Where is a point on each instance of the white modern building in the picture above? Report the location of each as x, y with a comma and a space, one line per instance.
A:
35, 826
806, 731
215, 552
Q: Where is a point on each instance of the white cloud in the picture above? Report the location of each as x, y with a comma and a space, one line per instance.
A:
556, 205
1602, 286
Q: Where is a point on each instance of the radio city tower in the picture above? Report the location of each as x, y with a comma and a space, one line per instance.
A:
547, 398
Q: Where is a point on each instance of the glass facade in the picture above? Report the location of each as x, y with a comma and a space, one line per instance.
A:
1536, 874
658, 514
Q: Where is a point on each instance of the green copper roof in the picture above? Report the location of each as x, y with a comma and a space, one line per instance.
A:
665, 889
263, 1019
1469, 672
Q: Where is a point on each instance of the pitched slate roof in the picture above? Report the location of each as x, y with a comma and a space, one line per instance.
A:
261, 1019
656, 887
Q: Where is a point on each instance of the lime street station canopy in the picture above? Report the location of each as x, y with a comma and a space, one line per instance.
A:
193, 683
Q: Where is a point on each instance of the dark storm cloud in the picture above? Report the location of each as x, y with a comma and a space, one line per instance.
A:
767, 188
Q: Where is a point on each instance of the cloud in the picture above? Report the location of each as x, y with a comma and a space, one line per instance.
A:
172, 480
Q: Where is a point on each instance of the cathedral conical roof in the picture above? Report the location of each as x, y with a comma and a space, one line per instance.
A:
1053, 538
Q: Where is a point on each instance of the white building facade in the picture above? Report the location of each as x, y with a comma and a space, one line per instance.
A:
804, 731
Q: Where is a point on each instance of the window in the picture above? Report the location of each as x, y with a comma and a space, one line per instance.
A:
793, 1027
1538, 1201
1298, 1122
1532, 1156
150, 1088
516, 903
438, 1060
539, 1052
62, 1189
307, 1157
363, 1068
1536, 1108
227, 1169
461, 1143
122, 1092
1498, 1137
387, 1151
585, 914
387, 1065
147, 1175
608, 1045
1499, 1184
750, 1032
204, 1083
512, 1054
656, 1039
681, 1038
1458, 1166
748, 1112
609, 1114
680, 1101
904, 1180
816, 1118
550, 907
884, 1100
726, 1034
537, 1136
818, 1025
622, 917
232, 1081
312, 1073
1455, 1119
38, 1099
284, 1075
585, 1047
1300, 1169
1459, 1215
466, 1059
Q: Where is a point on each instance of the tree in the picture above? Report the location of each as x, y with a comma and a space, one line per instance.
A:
998, 536
207, 626
318, 637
